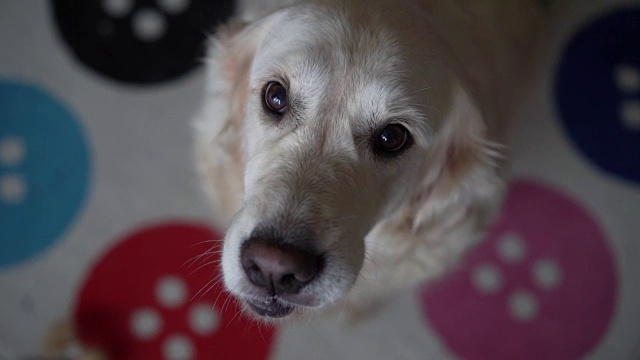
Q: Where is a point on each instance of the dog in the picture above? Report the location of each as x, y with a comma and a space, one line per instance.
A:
355, 148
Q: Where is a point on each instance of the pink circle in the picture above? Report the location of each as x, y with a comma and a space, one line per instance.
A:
526, 318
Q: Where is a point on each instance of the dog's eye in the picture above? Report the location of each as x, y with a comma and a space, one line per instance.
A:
392, 139
275, 98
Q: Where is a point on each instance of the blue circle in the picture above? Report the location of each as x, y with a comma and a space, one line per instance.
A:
590, 100
42, 149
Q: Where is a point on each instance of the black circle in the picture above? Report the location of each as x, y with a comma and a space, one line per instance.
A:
109, 44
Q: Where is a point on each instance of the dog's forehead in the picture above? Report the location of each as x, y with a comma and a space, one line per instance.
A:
349, 76
324, 53
330, 36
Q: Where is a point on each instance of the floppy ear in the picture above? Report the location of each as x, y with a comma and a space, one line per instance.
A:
220, 124
462, 171
455, 196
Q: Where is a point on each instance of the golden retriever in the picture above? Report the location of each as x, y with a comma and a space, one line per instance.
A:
353, 148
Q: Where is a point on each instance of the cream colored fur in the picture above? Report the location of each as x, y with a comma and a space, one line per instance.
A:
450, 71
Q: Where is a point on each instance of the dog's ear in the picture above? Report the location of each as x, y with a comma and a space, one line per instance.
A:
230, 59
462, 170
457, 190
220, 125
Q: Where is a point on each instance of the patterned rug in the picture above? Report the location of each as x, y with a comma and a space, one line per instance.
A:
102, 219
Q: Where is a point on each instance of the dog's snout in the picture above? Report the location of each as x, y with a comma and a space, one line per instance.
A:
278, 268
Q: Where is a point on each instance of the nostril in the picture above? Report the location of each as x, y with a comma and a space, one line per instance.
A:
289, 279
255, 275
279, 268
304, 272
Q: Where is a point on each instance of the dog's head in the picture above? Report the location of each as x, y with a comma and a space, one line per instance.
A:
341, 118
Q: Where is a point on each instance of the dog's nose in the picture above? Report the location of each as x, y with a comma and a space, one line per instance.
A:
278, 268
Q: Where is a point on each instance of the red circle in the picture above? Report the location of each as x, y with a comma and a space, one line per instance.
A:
126, 280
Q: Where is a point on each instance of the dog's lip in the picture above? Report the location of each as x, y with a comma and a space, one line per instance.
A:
270, 307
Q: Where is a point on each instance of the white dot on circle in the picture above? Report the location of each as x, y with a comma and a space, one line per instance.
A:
511, 247
117, 8
13, 188
12, 151
173, 6
627, 78
178, 347
547, 274
145, 323
204, 319
149, 25
630, 114
171, 291
487, 279
523, 306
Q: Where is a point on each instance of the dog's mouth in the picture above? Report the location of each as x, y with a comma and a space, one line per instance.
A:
270, 307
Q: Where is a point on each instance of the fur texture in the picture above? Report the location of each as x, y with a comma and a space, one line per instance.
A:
450, 72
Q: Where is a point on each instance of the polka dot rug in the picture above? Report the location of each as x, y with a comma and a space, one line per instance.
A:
102, 219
